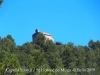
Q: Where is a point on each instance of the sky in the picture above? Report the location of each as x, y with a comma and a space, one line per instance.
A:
76, 21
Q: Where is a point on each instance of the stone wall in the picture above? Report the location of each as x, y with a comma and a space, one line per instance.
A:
47, 36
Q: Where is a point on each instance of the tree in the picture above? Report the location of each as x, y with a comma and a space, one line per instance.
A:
52, 56
8, 44
40, 40
1, 1
58, 43
9, 62
44, 54
27, 48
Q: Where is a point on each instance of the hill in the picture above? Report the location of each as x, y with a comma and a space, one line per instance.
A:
48, 58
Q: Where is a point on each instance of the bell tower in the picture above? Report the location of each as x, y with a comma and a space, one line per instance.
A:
36, 31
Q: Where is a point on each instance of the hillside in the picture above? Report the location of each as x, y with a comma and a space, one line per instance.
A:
47, 58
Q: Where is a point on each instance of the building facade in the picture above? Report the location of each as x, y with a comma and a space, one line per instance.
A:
47, 36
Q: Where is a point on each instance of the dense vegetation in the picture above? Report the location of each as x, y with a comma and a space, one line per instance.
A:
47, 58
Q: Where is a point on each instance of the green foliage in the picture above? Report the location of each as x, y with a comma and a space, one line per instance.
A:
93, 45
27, 48
40, 40
9, 62
8, 44
49, 56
